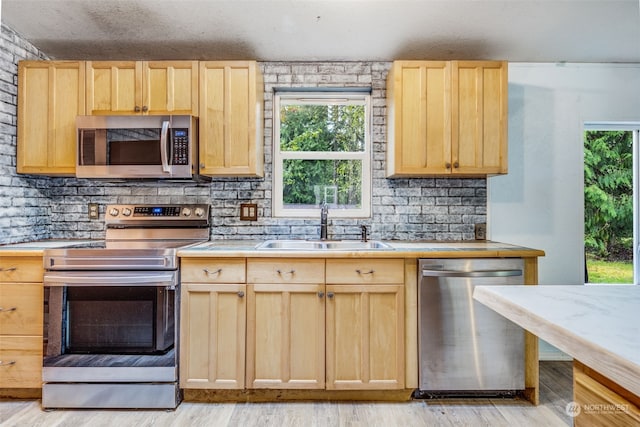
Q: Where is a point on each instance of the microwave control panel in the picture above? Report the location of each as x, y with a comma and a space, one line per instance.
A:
180, 142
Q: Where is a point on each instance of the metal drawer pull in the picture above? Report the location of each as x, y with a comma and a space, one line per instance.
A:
206, 270
330, 294
9, 269
240, 294
12, 362
365, 272
320, 294
285, 272
8, 309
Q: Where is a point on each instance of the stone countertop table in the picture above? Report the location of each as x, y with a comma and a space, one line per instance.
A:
598, 325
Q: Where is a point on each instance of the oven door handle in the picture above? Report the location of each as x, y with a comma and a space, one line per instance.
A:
110, 279
89, 263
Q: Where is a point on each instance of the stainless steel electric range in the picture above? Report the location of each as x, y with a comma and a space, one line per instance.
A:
111, 310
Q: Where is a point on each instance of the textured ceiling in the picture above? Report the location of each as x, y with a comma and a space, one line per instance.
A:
313, 30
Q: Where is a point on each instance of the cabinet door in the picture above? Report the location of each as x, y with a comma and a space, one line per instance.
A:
212, 337
285, 336
479, 117
365, 337
419, 127
231, 104
114, 87
50, 96
170, 87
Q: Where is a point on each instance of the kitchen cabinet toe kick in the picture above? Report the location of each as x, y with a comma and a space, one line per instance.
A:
282, 395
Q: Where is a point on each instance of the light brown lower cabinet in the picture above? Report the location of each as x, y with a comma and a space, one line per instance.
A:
212, 346
310, 324
213, 324
21, 322
285, 336
365, 324
601, 402
365, 337
21, 361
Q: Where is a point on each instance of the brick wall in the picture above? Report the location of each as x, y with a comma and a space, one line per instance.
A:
441, 209
24, 202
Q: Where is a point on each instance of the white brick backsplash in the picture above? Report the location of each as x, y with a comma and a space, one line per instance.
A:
416, 208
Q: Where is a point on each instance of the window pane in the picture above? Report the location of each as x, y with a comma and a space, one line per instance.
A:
307, 183
321, 127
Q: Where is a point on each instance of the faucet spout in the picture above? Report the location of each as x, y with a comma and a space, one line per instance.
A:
324, 212
363, 233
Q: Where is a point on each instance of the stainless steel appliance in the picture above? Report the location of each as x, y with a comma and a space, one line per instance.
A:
137, 147
466, 348
112, 310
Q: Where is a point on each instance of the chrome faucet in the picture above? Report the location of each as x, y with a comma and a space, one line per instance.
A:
324, 212
363, 233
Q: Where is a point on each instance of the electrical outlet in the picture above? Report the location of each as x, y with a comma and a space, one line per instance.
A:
94, 211
248, 212
481, 231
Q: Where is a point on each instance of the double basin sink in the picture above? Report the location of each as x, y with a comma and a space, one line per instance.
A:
324, 245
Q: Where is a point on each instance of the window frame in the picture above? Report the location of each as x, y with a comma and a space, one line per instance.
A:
313, 97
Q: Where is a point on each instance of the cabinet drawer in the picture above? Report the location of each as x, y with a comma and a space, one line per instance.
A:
21, 362
213, 270
285, 270
350, 271
21, 269
21, 308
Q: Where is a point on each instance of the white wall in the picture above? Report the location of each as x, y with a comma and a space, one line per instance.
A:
540, 202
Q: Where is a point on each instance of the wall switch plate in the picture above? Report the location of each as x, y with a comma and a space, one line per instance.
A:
94, 211
248, 212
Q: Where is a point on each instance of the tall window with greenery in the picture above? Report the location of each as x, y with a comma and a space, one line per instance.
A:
322, 154
608, 206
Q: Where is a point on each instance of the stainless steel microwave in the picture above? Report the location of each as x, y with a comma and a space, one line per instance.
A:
137, 146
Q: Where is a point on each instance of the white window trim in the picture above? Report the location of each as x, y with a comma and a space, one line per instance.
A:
278, 156
633, 127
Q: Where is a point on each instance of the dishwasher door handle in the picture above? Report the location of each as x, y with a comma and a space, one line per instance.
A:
477, 273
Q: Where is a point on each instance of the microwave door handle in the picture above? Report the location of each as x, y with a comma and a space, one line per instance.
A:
80, 147
164, 144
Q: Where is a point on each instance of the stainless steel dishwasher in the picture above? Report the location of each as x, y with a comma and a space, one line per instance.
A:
465, 348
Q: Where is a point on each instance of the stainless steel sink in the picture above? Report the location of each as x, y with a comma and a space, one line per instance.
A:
324, 245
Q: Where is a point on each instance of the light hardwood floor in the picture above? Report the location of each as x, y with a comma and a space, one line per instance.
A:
555, 393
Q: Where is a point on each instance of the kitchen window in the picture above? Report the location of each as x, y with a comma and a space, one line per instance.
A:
322, 154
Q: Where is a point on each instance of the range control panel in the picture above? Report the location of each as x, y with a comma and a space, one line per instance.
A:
123, 213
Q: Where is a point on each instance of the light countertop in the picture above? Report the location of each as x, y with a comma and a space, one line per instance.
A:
595, 324
247, 248
400, 249
35, 248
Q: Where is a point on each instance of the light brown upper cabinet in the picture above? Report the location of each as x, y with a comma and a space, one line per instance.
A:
447, 118
231, 105
142, 87
50, 96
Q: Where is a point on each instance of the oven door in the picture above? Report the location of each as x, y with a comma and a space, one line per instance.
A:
110, 312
